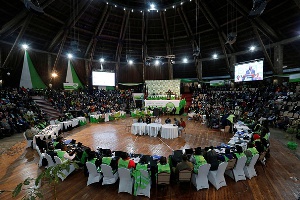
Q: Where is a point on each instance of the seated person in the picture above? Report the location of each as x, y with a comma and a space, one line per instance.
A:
108, 160
157, 120
92, 158
140, 119
59, 143
228, 155
63, 154
197, 159
30, 132
143, 164
250, 152
85, 156
163, 165
139, 180
239, 152
176, 122
212, 158
51, 152
168, 120
148, 119
125, 161
184, 164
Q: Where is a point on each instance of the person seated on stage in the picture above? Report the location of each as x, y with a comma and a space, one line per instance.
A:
148, 119
181, 126
51, 152
157, 120
197, 159
163, 165
125, 161
141, 120
168, 120
63, 154
184, 164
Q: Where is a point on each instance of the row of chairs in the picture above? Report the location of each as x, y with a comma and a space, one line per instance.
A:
109, 177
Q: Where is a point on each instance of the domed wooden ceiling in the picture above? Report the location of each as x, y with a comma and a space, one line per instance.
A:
119, 30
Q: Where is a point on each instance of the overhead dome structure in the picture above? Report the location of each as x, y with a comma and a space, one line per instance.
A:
119, 30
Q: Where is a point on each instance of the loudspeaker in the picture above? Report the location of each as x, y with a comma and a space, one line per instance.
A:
258, 8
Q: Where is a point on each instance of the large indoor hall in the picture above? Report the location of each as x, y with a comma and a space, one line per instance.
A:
275, 181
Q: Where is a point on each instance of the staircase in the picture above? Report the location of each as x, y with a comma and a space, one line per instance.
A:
46, 107
188, 99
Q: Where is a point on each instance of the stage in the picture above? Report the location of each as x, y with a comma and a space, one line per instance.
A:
178, 104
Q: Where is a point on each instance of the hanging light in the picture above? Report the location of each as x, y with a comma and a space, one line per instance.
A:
215, 56
130, 62
25, 46
70, 56
252, 48
185, 60
54, 74
101, 60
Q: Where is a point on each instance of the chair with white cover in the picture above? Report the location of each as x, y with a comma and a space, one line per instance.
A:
145, 191
41, 155
49, 160
126, 180
200, 180
217, 177
65, 172
249, 170
237, 173
108, 176
29, 142
94, 175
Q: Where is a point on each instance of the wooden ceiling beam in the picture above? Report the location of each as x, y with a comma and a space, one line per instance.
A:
213, 22
96, 32
20, 35
122, 35
297, 2
263, 48
70, 24
259, 23
20, 17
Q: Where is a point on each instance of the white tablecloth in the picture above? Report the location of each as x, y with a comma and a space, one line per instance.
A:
51, 130
238, 138
138, 128
81, 119
168, 131
153, 128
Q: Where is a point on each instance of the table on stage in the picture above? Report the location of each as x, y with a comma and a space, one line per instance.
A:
138, 128
169, 131
153, 128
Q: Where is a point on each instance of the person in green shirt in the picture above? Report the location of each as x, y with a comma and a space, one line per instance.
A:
197, 159
140, 181
163, 165
239, 152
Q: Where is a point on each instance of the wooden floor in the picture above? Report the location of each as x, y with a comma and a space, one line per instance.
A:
276, 182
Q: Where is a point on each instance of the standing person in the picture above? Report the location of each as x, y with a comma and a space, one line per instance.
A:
181, 126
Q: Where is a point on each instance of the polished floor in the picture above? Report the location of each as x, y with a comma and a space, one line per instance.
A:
279, 180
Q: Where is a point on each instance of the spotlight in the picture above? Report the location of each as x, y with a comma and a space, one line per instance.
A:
101, 60
185, 60
25, 46
54, 74
156, 63
70, 56
215, 56
252, 48
130, 62
152, 6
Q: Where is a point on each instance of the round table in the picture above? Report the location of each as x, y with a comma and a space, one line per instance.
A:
153, 128
138, 128
168, 131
